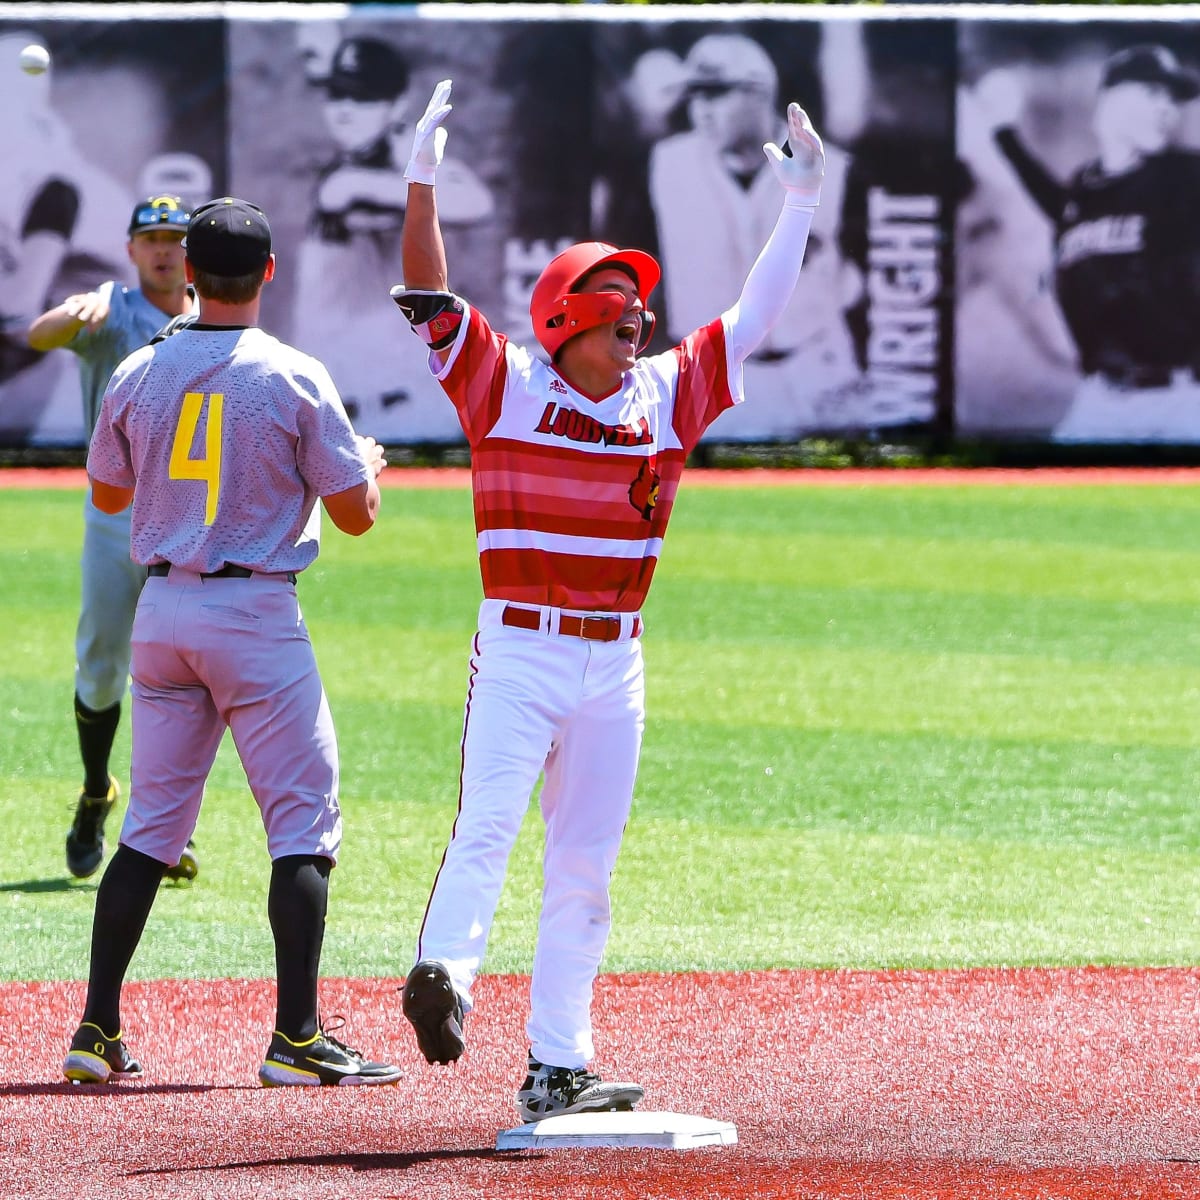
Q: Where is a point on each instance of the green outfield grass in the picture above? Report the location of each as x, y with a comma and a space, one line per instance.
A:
888, 727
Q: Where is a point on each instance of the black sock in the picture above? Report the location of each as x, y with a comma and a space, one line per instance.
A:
123, 902
96, 728
296, 905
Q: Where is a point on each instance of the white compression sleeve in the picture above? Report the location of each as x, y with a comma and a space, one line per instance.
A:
770, 283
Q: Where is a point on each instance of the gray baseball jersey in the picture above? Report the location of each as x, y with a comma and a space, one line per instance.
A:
231, 436
228, 437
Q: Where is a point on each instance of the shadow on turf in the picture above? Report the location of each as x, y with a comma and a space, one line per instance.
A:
355, 1162
125, 1087
35, 886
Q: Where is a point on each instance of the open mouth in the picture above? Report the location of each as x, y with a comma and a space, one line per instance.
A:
629, 329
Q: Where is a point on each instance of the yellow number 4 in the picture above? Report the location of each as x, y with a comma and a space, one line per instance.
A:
208, 468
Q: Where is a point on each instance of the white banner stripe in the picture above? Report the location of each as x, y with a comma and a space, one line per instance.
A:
562, 543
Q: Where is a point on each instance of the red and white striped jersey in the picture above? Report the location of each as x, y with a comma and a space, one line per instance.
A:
573, 493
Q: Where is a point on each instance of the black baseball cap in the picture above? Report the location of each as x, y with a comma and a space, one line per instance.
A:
228, 237
365, 68
159, 212
1151, 64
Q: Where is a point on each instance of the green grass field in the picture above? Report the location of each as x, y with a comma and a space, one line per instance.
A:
888, 727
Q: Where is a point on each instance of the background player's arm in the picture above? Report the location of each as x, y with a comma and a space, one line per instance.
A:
1044, 190
58, 326
354, 510
994, 106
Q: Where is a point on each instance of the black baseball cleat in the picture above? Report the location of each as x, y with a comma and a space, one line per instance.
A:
556, 1091
188, 866
322, 1061
435, 1012
94, 1057
85, 839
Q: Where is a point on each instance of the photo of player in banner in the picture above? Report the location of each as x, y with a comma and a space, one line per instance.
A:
683, 111
113, 120
1089, 146
712, 202
345, 92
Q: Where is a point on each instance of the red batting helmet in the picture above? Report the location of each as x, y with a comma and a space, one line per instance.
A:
559, 313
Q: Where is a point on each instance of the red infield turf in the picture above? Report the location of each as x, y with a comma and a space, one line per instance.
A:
968, 1084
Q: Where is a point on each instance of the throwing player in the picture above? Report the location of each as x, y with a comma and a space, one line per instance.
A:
223, 438
101, 328
575, 466
1127, 254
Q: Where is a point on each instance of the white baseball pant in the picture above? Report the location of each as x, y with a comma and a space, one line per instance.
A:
211, 653
542, 702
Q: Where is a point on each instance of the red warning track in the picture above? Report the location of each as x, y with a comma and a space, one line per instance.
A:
1053, 1084
450, 477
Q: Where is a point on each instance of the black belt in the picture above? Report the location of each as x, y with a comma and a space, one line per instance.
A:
228, 571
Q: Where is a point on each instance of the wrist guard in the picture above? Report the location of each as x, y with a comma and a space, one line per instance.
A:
434, 316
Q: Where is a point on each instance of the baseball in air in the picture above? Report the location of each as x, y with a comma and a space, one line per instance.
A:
34, 59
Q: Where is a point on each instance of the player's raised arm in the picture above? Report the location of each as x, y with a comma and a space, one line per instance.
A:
423, 256
772, 279
423, 296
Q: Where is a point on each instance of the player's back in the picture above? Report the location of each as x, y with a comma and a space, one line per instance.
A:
226, 429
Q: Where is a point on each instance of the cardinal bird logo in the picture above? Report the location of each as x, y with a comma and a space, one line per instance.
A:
643, 491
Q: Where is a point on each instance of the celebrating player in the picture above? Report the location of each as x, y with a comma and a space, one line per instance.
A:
575, 466
223, 438
101, 328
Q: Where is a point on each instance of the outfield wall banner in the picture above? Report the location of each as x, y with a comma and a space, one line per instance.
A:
122, 113
1005, 247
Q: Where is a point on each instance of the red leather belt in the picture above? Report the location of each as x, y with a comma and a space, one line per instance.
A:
596, 628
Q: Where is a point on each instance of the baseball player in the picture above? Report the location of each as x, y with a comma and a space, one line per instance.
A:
223, 438
101, 328
575, 466
1127, 255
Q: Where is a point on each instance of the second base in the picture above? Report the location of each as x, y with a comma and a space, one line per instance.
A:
653, 1130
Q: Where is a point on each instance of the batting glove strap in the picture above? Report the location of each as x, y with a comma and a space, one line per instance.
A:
434, 316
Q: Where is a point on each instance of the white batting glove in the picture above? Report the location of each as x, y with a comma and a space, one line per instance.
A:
429, 140
802, 171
